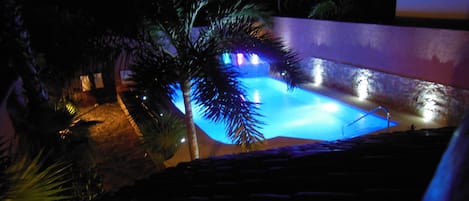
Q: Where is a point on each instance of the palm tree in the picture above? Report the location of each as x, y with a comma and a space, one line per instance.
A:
18, 56
332, 10
24, 178
187, 59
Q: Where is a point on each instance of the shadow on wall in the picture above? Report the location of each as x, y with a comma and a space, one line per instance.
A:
460, 72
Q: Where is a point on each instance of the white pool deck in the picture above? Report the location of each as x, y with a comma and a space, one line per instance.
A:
209, 147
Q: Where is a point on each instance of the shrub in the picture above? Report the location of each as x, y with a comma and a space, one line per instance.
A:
161, 137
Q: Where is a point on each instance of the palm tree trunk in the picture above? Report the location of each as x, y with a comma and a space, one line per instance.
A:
24, 62
189, 120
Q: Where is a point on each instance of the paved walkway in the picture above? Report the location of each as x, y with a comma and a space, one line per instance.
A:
119, 157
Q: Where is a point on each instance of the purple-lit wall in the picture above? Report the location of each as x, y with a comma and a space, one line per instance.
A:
439, 9
419, 70
436, 55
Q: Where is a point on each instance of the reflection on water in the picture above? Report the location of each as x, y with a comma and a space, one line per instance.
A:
298, 113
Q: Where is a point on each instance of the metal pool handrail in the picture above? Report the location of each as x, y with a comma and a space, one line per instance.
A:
374, 110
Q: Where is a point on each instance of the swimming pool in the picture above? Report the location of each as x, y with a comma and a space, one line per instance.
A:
295, 113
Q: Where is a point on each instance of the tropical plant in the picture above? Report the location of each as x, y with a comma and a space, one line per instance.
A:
5, 153
38, 119
86, 184
188, 60
26, 179
75, 148
162, 136
40, 132
64, 138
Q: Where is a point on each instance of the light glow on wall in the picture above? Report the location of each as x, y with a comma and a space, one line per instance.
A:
317, 72
362, 89
432, 101
255, 59
428, 115
430, 97
429, 107
362, 84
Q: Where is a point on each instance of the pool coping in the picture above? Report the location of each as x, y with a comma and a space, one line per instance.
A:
405, 120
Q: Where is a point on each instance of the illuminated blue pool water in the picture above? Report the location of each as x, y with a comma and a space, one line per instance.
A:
296, 114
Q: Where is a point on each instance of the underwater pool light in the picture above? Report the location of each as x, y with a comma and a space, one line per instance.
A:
226, 58
239, 58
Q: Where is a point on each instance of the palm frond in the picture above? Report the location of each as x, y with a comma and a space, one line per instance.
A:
155, 72
4, 163
234, 25
284, 61
176, 21
324, 10
30, 180
241, 35
222, 96
228, 10
190, 14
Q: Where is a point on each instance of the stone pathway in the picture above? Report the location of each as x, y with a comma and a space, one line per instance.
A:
119, 157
